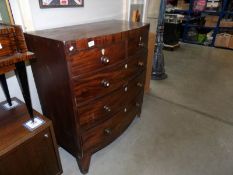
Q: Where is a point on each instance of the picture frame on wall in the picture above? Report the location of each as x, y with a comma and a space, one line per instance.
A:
60, 3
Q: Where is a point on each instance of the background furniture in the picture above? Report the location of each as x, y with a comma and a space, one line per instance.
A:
23, 151
13, 53
90, 80
197, 24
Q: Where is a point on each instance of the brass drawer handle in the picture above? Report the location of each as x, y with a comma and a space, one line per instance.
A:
140, 63
141, 44
138, 104
107, 131
139, 84
105, 83
105, 60
107, 108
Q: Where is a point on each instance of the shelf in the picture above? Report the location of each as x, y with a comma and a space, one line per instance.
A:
191, 17
193, 42
226, 28
228, 13
198, 26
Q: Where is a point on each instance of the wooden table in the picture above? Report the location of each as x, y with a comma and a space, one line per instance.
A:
23, 151
16, 62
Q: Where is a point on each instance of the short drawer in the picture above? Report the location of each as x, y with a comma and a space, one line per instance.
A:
97, 58
137, 40
98, 137
105, 107
92, 86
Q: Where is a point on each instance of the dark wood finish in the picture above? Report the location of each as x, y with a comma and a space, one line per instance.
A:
5, 88
97, 111
97, 58
84, 93
21, 75
13, 53
23, 151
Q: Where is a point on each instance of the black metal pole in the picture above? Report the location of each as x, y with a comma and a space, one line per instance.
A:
158, 71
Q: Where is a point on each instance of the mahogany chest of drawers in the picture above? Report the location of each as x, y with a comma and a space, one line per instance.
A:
90, 80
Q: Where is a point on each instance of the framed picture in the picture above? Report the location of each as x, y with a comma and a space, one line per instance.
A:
5, 12
60, 3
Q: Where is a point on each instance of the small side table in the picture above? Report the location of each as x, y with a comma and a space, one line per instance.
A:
16, 62
13, 54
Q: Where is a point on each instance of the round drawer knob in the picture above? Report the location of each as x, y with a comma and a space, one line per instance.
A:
126, 89
140, 63
107, 131
126, 66
125, 110
105, 83
107, 108
46, 135
139, 84
141, 44
105, 60
138, 104
71, 48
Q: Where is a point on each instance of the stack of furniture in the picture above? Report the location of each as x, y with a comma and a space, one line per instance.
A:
90, 80
202, 27
13, 54
22, 151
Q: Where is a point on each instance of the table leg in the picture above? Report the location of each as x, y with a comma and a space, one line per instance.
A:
5, 88
21, 75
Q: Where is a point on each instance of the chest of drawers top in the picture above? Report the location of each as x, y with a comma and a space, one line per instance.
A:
89, 30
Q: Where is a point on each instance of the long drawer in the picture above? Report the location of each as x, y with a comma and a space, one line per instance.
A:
97, 137
105, 107
92, 86
97, 58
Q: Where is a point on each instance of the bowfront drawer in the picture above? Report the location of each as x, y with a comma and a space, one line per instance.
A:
97, 137
137, 40
97, 58
105, 107
96, 85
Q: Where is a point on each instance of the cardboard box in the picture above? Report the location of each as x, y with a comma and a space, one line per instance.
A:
182, 5
211, 21
231, 43
225, 23
223, 40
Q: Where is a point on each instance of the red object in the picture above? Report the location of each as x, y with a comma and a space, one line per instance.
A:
64, 2
199, 5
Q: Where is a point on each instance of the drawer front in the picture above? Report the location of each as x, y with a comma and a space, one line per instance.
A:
90, 87
7, 45
137, 40
35, 156
97, 58
105, 107
98, 137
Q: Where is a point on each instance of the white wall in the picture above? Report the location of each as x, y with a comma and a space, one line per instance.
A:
28, 14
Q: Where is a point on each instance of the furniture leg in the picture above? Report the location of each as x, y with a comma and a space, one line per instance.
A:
21, 75
5, 88
84, 163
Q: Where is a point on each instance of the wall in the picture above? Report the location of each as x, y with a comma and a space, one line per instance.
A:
28, 14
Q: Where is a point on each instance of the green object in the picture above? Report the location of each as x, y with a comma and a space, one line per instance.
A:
201, 38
